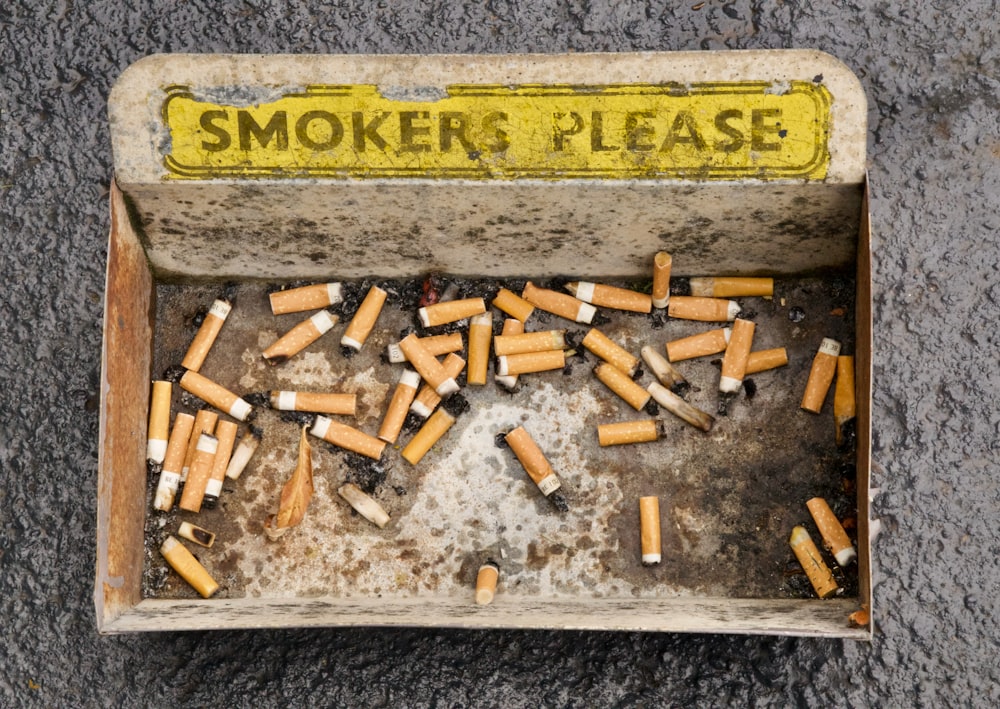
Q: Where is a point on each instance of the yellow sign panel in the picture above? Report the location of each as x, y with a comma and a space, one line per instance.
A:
715, 131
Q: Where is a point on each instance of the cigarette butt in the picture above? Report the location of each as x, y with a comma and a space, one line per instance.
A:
734, 362
450, 311
539, 341
300, 337
187, 567
205, 337
621, 384
198, 535
732, 287
611, 296
363, 322
680, 408
700, 345
834, 536
199, 473
427, 366
649, 530
664, 372
158, 433
661, 279
364, 504
480, 334
844, 405
763, 360
225, 433
435, 344
610, 351
243, 453
204, 422
314, 297
533, 460
315, 402
402, 397
216, 395
511, 326
824, 366
686, 307
429, 434
565, 306
427, 398
347, 437
513, 304
624, 432
486, 583
859, 618
173, 462
530, 362
812, 563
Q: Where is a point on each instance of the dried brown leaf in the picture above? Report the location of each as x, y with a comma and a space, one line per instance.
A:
297, 492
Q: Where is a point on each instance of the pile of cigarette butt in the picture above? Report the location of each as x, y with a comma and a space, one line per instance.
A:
453, 348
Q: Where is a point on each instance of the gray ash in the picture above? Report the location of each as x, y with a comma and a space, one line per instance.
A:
681, 389
749, 388
558, 501
680, 286
412, 422
364, 472
658, 318
173, 373
724, 401
500, 440
651, 407
456, 405
258, 398
746, 314
299, 418
796, 314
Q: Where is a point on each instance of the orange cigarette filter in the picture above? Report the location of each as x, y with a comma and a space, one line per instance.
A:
611, 296
624, 432
450, 311
662, 263
514, 305
844, 404
300, 337
173, 463
610, 351
763, 360
200, 472
812, 563
686, 307
530, 362
204, 422
316, 402
565, 306
480, 335
824, 366
314, 297
188, 567
511, 326
649, 530
225, 434
429, 434
347, 437
621, 384
832, 531
734, 362
205, 337
158, 433
363, 322
533, 460
519, 343
427, 398
402, 397
216, 395
435, 344
427, 366
486, 583
700, 345
732, 287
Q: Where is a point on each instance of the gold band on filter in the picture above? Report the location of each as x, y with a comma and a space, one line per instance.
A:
686, 307
480, 334
661, 279
533, 460
649, 530
763, 360
565, 306
700, 345
531, 362
427, 398
205, 337
429, 434
511, 326
200, 472
610, 351
624, 432
316, 402
734, 362
520, 343
486, 583
621, 384
812, 563
732, 287
187, 567
347, 437
216, 395
300, 337
513, 304
314, 297
824, 366
611, 296
844, 404
158, 432
450, 311
204, 422
832, 531
173, 463
395, 414
427, 366
225, 432
363, 322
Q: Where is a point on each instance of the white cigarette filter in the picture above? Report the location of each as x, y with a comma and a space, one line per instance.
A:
429, 434
205, 337
512, 304
686, 307
734, 362
198, 475
216, 395
364, 504
427, 398
700, 345
732, 287
435, 344
824, 366
316, 402
486, 583
680, 408
511, 326
533, 460
662, 263
832, 531
664, 372
363, 322
450, 311
348, 438
621, 384
427, 366
649, 530
611, 296
225, 432
524, 342
610, 351
158, 433
188, 568
242, 455
314, 297
173, 462
565, 306
480, 335
812, 563
402, 397
300, 337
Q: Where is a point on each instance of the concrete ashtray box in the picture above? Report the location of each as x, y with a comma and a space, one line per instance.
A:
682, 242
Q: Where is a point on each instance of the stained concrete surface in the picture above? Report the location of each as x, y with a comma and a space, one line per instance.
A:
932, 75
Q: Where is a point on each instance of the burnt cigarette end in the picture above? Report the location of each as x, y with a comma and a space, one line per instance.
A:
750, 388
366, 473
560, 503
724, 401
174, 373
680, 286
651, 407
153, 469
796, 314
456, 405
600, 319
276, 360
258, 398
637, 375
500, 440
848, 435
347, 352
746, 314
229, 291
682, 389
299, 418
257, 431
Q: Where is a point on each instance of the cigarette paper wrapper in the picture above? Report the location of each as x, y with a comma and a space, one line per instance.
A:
186, 221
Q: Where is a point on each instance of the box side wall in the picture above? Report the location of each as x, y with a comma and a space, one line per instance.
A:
863, 384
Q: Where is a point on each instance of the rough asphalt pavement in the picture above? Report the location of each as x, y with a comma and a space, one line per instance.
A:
932, 73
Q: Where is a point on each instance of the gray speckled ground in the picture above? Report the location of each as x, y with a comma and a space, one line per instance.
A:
931, 73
